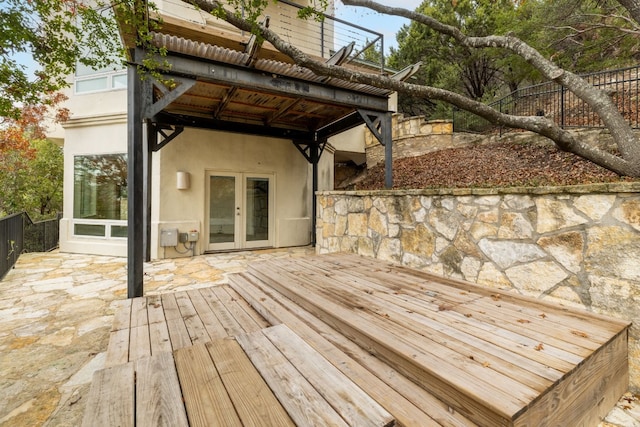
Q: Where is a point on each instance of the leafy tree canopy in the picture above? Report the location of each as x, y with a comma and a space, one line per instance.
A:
581, 36
31, 167
57, 34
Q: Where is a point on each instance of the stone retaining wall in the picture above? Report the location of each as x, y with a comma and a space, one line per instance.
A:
577, 245
412, 136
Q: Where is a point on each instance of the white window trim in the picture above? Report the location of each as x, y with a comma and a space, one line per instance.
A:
108, 223
108, 74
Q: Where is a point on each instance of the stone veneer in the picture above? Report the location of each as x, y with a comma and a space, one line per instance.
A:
412, 136
577, 245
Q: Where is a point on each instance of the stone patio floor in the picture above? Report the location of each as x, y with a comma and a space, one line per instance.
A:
56, 311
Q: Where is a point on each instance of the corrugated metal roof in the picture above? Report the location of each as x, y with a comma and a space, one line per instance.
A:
228, 56
241, 102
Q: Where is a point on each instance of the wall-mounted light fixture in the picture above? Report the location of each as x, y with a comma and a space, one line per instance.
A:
183, 180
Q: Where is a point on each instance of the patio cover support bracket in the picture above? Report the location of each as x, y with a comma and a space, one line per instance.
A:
380, 126
166, 137
307, 149
168, 95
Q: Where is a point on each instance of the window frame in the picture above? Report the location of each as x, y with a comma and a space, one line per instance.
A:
110, 77
109, 224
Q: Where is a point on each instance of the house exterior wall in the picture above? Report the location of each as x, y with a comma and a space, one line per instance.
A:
307, 33
98, 126
200, 152
197, 152
89, 136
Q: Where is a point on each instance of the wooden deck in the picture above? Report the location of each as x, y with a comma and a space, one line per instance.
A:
345, 340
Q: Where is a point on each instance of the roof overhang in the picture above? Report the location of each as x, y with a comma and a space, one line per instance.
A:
267, 98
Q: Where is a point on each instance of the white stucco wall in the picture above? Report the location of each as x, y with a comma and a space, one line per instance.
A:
200, 152
103, 135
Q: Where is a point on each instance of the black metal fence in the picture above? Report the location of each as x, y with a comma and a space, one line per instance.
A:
563, 107
11, 241
41, 236
18, 234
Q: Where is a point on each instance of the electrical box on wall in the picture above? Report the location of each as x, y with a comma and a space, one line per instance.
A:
169, 237
193, 236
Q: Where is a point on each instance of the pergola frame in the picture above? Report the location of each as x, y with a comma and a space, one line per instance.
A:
148, 119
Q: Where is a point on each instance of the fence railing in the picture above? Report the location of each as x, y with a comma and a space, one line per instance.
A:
41, 236
11, 241
328, 35
18, 234
563, 107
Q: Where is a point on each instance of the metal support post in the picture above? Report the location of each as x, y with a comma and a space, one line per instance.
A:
315, 158
387, 138
135, 183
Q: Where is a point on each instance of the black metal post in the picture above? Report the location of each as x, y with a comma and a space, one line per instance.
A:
387, 137
135, 181
150, 141
315, 158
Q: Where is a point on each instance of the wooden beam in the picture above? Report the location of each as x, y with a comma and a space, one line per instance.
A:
225, 101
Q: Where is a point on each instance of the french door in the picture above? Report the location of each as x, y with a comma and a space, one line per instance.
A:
240, 210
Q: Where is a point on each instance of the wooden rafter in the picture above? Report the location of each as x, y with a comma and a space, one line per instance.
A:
225, 101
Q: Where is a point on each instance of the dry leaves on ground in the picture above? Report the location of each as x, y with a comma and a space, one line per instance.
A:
498, 165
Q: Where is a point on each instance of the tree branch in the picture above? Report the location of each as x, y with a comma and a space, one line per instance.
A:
598, 100
628, 164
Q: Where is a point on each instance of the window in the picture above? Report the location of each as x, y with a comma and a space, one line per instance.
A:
100, 195
108, 78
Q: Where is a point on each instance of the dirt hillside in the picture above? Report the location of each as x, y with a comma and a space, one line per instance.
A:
499, 165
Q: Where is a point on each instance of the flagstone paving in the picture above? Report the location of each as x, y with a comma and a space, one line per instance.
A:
56, 310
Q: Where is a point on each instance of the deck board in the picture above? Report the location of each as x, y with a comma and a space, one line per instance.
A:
205, 397
424, 326
410, 404
293, 390
214, 328
193, 323
252, 399
111, 400
158, 394
346, 340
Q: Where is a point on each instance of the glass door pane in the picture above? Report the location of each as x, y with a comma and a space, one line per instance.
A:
257, 209
222, 211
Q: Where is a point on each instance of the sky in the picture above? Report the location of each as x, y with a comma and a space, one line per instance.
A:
387, 25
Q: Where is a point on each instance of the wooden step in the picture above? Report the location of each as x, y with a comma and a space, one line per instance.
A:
410, 404
164, 323
495, 357
314, 392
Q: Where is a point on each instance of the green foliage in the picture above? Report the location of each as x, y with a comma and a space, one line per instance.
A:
581, 36
476, 73
32, 184
57, 34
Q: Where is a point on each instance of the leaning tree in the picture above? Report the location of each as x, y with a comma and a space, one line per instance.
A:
625, 162
46, 34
